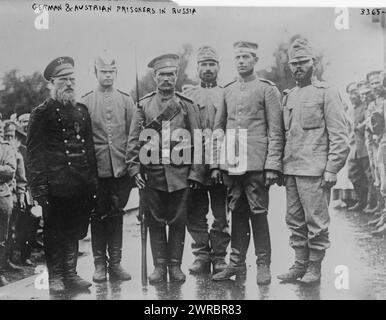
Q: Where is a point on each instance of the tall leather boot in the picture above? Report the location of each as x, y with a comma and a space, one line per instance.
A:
71, 279
176, 244
313, 273
99, 246
53, 251
158, 244
114, 248
3, 281
262, 242
299, 268
240, 238
364, 197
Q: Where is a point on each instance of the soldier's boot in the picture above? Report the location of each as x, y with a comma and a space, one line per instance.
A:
72, 280
382, 221
159, 274
176, 244
3, 281
378, 207
114, 248
229, 272
299, 268
295, 272
99, 245
376, 221
219, 265
100, 273
263, 273
53, 252
380, 231
200, 266
158, 244
313, 273
176, 274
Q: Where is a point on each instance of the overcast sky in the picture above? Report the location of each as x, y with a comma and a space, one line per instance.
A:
349, 54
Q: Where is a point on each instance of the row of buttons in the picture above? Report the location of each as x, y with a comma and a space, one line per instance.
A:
64, 130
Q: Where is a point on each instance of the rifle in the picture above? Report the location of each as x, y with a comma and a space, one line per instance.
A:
141, 215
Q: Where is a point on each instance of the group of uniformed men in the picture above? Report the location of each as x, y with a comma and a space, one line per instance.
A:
84, 158
18, 226
367, 159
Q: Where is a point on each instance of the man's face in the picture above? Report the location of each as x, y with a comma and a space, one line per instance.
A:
9, 137
24, 124
366, 95
208, 70
106, 78
64, 89
354, 96
245, 63
376, 84
166, 78
302, 70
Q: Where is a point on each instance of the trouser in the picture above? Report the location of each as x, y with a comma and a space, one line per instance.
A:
161, 209
5, 215
307, 215
213, 245
382, 167
372, 149
65, 223
26, 226
248, 202
359, 173
107, 222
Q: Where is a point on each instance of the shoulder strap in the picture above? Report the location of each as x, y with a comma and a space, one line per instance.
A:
170, 111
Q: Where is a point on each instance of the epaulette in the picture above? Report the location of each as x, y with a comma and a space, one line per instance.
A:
180, 95
147, 96
228, 84
267, 81
124, 93
85, 95
320, 84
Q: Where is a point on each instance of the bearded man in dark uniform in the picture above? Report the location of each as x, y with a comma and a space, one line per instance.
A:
62, 173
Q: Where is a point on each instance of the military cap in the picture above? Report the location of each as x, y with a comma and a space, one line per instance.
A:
206, 53
351, 84
300, 50
105, 62
24, 117
373, 73
58, 67
364, 86
245, 46
169, 60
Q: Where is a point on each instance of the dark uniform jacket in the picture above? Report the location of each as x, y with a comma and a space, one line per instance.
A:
60, 151
164, 177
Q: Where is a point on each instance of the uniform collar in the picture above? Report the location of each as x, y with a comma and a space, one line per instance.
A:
105, 90
249, 78
163, 98
208, 85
